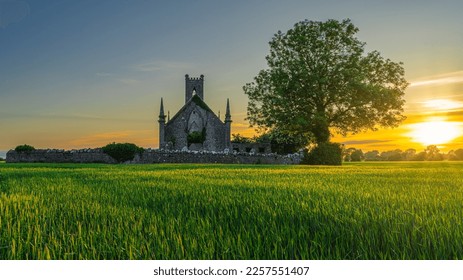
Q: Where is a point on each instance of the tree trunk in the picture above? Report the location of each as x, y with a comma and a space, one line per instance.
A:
321, 130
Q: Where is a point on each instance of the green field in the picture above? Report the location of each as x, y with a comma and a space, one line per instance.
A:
357, 211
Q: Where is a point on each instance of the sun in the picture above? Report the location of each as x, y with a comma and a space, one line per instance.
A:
435, 132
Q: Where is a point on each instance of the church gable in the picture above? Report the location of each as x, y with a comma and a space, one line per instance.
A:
193, 102
195, 126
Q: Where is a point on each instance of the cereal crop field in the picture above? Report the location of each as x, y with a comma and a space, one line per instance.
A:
190, 211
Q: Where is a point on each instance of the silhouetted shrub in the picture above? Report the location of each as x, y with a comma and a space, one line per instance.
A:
24, 148
238, 138
324, 154
122, 151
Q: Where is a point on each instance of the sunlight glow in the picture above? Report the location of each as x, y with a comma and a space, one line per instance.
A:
442, 104
435, 131
439, 80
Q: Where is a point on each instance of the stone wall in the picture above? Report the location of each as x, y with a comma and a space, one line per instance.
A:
60, 156
149, 156
165, 156
260, 148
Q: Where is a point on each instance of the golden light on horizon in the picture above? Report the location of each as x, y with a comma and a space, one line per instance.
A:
435, 131
442, 104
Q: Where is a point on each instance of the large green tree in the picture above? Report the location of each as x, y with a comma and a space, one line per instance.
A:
319, 77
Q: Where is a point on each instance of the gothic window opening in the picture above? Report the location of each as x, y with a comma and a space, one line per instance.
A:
195, 122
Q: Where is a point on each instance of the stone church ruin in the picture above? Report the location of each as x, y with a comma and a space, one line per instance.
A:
195, 126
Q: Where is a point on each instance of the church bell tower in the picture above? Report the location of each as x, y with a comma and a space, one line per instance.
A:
194, 86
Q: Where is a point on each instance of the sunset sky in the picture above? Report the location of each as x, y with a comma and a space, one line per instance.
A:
76, 74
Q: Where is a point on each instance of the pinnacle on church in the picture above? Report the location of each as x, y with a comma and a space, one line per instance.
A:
227, 112
162, 117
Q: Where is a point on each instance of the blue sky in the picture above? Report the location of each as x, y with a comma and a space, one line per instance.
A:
77, 74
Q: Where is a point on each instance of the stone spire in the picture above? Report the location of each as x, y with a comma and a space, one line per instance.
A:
162, 124
228, 126
161, 112
227, 112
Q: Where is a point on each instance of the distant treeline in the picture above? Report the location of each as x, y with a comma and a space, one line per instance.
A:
431, 153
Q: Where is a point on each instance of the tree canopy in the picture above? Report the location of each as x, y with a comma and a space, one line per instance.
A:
319, 77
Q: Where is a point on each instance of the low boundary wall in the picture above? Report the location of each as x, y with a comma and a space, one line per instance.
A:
148, 156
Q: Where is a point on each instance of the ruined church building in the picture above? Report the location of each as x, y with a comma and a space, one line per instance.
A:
195, 126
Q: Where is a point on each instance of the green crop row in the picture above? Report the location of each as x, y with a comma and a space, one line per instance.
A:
356, 211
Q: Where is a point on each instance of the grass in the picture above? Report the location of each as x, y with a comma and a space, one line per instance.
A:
357, 211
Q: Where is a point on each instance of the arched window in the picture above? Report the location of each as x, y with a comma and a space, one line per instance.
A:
195, 122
